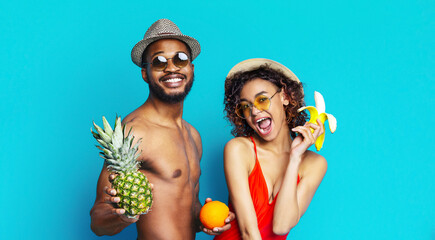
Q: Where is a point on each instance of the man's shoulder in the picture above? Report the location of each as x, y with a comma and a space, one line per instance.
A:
138, 124
135, 122
191, 129
195, 135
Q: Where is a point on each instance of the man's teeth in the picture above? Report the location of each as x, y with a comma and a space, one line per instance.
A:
261, 119
172, 80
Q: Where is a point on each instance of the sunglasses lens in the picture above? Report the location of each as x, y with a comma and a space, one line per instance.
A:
159, 63
243, 110
262, 103
180, 60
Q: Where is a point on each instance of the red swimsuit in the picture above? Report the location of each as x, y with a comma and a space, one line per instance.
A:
263, 209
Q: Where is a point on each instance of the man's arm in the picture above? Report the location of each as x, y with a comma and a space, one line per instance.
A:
105, 218
197, 205
197, 209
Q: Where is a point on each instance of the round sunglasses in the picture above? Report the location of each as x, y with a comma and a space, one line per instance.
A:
261, 102
159, 63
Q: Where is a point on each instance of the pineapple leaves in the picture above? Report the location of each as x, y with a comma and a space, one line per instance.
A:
107, 127
117, 137
119, 153
102, 134
121, 156
96, 136
107, 153
102, 143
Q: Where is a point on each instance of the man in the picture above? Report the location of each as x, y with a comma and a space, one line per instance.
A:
171, 147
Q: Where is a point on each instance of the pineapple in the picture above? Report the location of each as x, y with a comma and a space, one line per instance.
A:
131, 185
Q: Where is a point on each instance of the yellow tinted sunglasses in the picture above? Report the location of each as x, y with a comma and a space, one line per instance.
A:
261, 102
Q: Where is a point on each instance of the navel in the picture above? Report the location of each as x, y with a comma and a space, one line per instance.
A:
176, 173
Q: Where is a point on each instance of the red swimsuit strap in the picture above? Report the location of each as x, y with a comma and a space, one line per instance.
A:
255, 148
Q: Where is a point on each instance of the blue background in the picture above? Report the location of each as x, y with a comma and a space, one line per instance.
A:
66, 63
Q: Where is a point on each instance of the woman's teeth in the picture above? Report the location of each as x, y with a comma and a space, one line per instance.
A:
261, 119
264, 125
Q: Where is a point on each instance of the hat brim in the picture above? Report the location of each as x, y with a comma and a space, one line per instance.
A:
139, 48
255, 63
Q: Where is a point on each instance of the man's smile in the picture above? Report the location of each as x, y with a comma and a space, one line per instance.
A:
173, 80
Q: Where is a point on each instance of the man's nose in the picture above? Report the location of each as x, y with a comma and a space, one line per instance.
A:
170, 67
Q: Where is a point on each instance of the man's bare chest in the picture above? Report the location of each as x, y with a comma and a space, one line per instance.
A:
172, 161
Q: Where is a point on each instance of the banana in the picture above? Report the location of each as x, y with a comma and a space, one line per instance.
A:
318, 112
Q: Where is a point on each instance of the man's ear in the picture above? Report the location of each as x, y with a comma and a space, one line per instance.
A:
193, 67
144, 74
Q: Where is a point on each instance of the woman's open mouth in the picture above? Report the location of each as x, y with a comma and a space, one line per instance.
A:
264, 125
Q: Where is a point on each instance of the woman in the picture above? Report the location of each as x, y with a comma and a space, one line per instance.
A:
271, 176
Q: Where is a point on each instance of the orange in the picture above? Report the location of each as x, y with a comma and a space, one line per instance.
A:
213, 214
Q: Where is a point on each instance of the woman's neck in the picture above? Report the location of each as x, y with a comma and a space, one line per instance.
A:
281, 143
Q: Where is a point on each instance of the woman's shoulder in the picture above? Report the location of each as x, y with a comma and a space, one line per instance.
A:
313, 161
242, 149
239, 143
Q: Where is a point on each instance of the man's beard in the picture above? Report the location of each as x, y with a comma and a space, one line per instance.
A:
159, 92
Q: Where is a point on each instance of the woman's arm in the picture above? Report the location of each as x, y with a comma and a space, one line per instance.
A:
294, 199
237, 163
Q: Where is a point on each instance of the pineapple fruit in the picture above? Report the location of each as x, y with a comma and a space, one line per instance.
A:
131, 185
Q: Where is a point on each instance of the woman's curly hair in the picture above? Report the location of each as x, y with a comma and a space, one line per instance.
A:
235, 83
